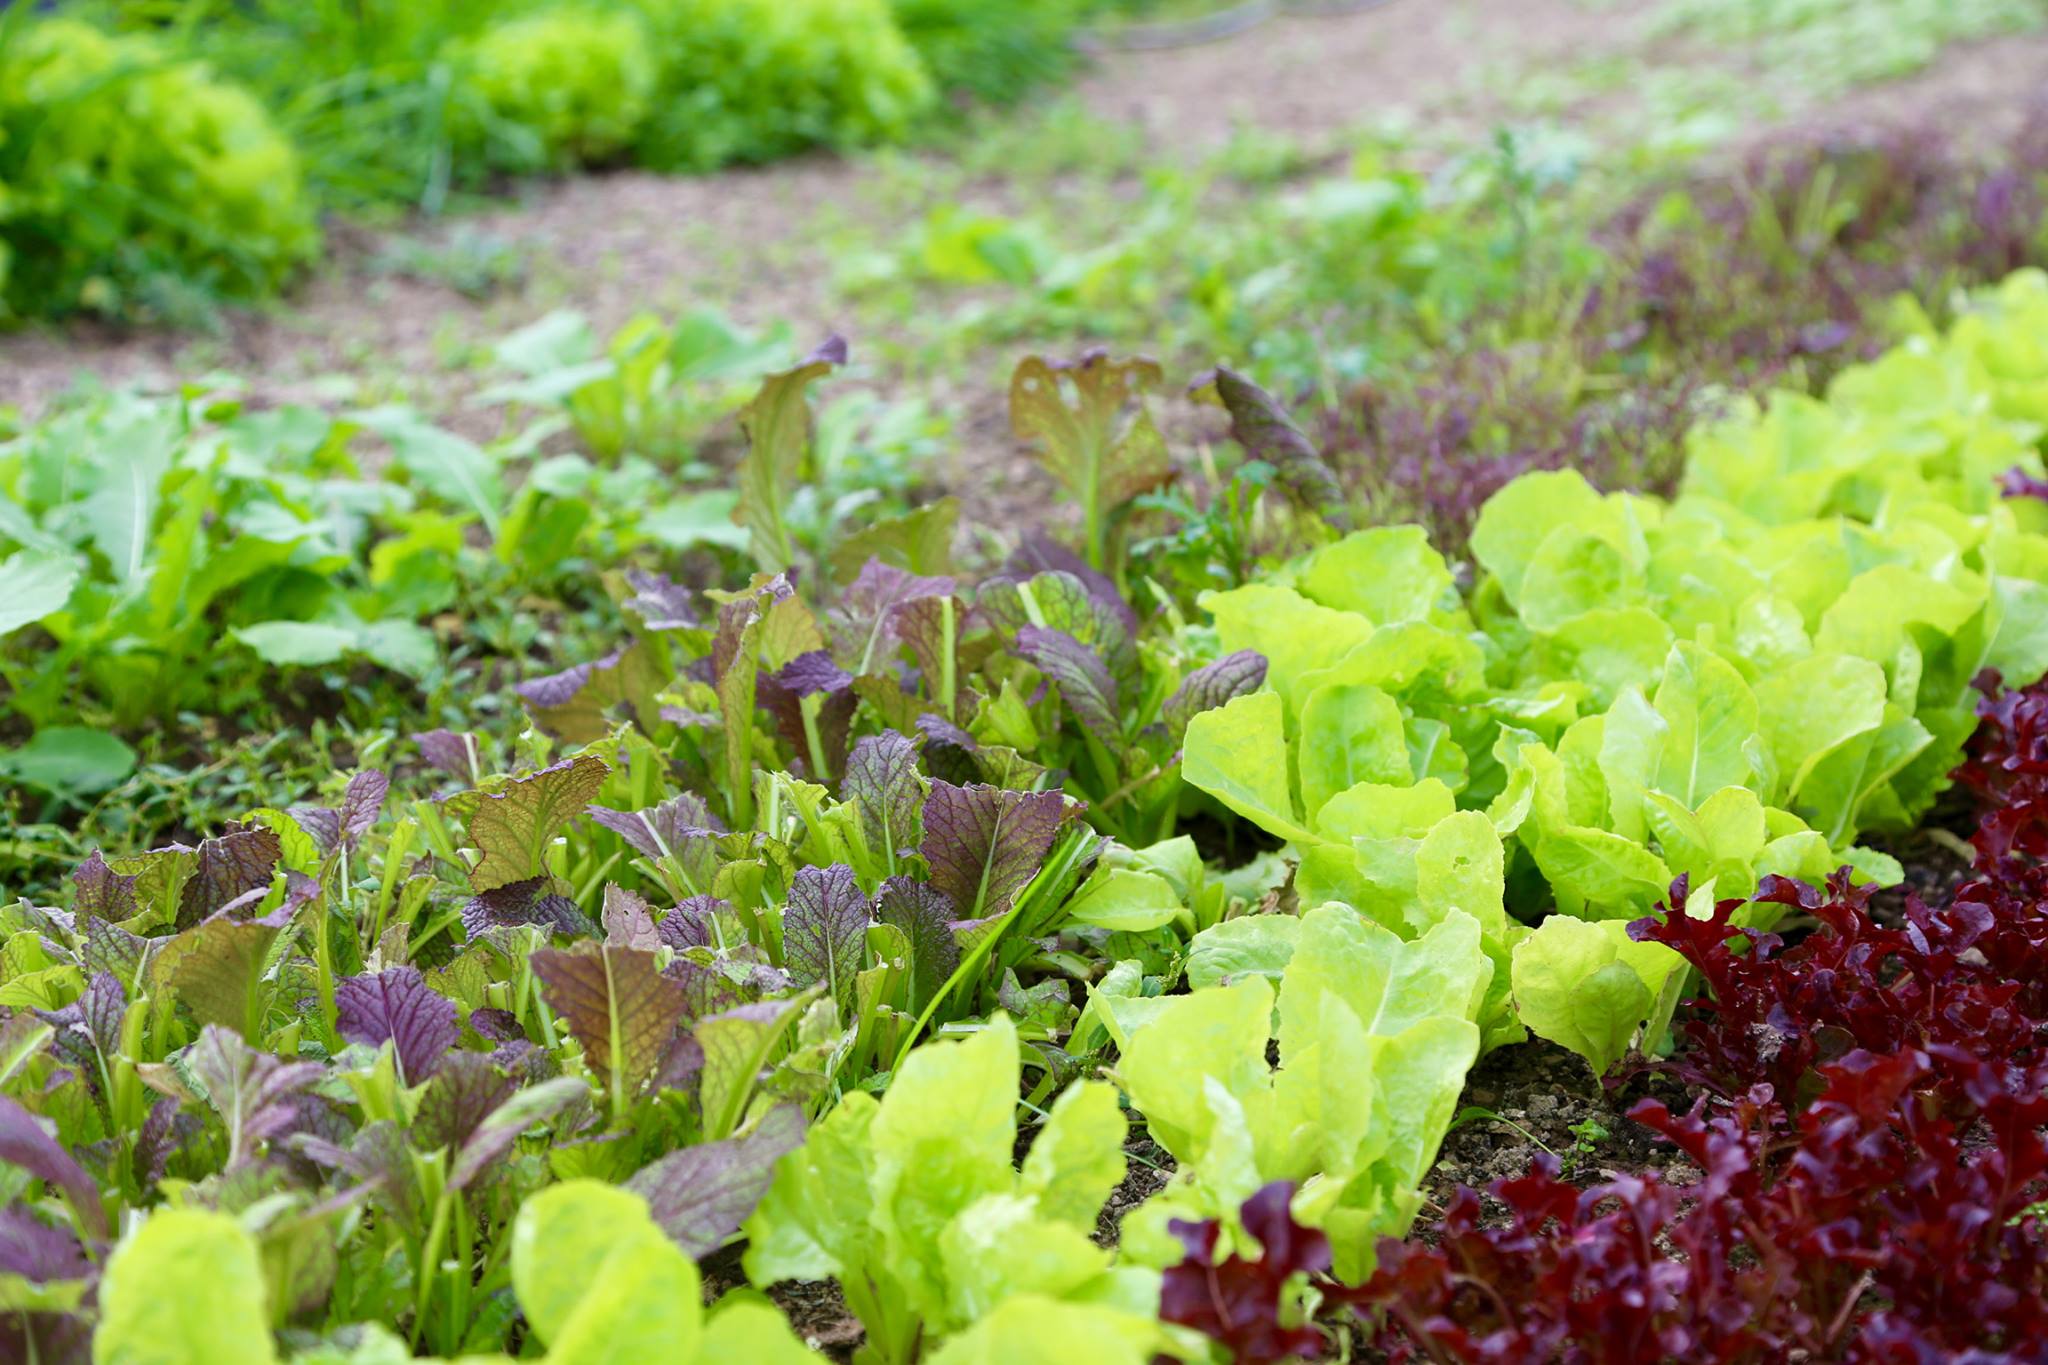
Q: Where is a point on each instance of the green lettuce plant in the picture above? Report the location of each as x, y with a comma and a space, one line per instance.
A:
1375, 1035
190, 1285
136, 180
914, 1204
561, 88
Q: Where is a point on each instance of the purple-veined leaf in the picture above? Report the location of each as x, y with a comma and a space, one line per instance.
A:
255, 1094
628, 920
689, 924
984, 845
465, 1089
700, 1195
617, 1004
102, 893
883, 784
397, 1005
227, 868
816, 731
925, 917
513, 826
1082, 679
1038, 553
343, 826
1263, 428
661, 830
533, 901
24, 1143
454, 752
41, 1253
863, 621
659, 601
824, 931
494, 1136
577, 705
933, 628
1211, 685
381, 1159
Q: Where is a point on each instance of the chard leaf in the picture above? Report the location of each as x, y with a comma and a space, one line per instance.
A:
984, 845
512, 827
618, 1005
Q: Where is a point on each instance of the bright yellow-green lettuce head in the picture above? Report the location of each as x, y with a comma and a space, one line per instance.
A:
563, 88
127, 174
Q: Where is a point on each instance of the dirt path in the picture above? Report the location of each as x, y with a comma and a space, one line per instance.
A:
745, 240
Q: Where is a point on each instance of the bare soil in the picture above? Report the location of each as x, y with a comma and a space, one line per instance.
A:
616, 244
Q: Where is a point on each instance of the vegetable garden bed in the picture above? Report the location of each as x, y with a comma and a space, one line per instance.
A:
1060, 969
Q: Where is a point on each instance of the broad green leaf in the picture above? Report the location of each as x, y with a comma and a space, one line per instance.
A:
1248, 945
1127, 900
756, 1333
186, 1287
1811, 708
1388, 574
999, 1247
1587, 986
1218, 1033
1350, 734
34, 584
1516, 520
70, 760
1077, 1159
1238, 754
815, 1219
943, 1140
1296, 636
298, 643
1031, 1329
633, 1296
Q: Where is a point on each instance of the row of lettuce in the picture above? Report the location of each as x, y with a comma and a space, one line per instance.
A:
154, 151
779, 906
